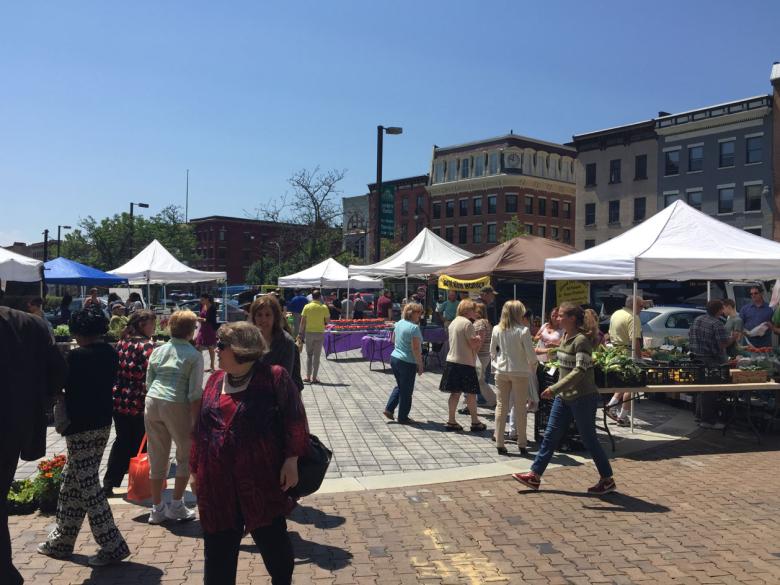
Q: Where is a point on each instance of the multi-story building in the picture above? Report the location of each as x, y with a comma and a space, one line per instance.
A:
233, 244
718, 159
476, 188
774, 79
355, 226
35, 250
616, 180
411, 209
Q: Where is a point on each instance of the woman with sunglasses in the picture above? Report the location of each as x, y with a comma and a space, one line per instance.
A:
250, 431
575, 396
265, 313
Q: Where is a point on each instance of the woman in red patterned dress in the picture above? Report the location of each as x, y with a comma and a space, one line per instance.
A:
250, 432
134, 349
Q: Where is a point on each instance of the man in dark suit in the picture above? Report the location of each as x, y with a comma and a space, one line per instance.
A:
31, 371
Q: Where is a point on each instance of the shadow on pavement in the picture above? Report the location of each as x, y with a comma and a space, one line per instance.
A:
325, 556
125, 571
614, 502
709, 442
318, 518
315, 384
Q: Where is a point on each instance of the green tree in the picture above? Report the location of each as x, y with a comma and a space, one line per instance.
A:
105, 244
512, 229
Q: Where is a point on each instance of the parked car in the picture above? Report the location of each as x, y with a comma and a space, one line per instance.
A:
661, 322
234, 312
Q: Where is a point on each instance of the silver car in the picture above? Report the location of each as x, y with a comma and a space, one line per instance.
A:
661, 322
235, 313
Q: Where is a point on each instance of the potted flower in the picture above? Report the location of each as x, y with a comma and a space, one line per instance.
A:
62, 333
47, 483
21, 498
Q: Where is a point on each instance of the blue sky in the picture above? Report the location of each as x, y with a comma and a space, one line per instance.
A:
103, 103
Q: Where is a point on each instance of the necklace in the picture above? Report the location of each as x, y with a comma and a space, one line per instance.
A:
237, 381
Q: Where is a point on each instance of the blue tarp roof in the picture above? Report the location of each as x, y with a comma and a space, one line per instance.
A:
64, 271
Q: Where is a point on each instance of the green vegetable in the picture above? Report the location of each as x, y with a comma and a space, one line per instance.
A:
62, 331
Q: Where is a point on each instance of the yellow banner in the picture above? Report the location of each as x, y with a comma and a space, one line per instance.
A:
572, 291
450, 283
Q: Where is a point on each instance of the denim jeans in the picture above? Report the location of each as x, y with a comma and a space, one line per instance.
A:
401, 396
583, 410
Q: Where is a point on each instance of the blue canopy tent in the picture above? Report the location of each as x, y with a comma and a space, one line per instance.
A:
64, 271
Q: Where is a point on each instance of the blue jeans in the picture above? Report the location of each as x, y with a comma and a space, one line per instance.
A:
583, 409
401, 396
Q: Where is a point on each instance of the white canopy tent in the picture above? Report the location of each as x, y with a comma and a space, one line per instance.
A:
19, 268
425, 254
156, 265
328, 274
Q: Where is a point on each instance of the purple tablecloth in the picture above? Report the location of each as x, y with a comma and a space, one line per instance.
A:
341, 341
434, 334
376, 349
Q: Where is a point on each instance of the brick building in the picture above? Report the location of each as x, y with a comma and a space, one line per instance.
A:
774, 78
411, 209
34, 250
476, 188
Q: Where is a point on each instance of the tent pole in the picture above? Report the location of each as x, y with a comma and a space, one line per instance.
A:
406, 287
635, 311
708, 291
347, 316
544, 299
515, 291
224, 301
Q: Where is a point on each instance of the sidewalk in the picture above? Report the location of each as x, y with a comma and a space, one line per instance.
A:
683, 515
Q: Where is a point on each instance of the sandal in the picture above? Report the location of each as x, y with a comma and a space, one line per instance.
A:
477, 427
452, 427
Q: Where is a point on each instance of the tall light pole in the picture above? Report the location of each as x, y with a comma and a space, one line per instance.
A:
59, 243
279, 250
380, 133
45, 245
132, 225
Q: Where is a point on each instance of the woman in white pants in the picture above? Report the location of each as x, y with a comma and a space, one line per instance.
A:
513, 360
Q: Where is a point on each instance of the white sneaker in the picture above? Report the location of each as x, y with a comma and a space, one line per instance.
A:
158, 515
180, 512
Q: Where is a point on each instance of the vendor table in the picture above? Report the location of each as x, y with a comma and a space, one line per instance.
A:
340, 341
732, 392
376, 348
434, 334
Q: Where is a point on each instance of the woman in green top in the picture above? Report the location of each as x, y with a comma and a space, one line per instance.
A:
576, 396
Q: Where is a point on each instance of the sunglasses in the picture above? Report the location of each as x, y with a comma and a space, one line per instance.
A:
221, 345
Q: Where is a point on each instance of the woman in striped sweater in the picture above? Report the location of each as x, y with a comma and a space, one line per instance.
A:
576, 396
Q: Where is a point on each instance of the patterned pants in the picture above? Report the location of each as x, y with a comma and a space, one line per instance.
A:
81, 495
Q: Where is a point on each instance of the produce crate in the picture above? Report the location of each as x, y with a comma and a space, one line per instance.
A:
670, 375
714, 375
571, 438
748, 376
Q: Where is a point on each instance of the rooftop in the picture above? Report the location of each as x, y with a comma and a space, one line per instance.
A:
718, 110
510, 139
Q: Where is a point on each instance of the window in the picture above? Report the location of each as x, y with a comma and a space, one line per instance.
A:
726, 200
222, 253
510, 203
529, 205
590, 175
464, 168
554, 208
753, 149
566, 236
541, 231
476, 234
554, 233
614, 211
541, 204
463, 207
463, 234
671, 197
437, 210
493, 163
450, 210
222, 235
590, 214
694, 199
529, 229
448, 234
640, 209
726, 153
479, 165
477, 206
420, 205
437, 231
452, 170
404, 235
695, 158
672, 162
404, 205
640, 167
491, 203
590, 244
566, 210
438, 172
753, 197
756, 231
491, 233
682, 320
614, 171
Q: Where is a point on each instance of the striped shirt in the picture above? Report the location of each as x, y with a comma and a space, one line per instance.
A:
175, 372
576, 368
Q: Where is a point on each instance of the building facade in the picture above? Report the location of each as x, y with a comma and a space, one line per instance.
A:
719, 160
355, 226
233, 244
616, 179
477, 188
35, 250
411, 209
774, 79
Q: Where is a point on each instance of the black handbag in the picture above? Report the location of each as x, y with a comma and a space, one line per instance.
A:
312, 468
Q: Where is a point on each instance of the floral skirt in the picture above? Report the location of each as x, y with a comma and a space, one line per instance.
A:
459, 378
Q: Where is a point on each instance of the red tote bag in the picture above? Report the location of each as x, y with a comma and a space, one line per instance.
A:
139, 488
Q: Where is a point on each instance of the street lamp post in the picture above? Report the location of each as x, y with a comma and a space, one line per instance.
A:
45, 246
380, 132
279, 250
59, 242
132, 225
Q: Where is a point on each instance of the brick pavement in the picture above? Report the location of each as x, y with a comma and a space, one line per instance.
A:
695, 511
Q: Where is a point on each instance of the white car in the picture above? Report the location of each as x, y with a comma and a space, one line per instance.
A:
661, 322
235, 313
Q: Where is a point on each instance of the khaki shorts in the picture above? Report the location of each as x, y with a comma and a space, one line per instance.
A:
166, 421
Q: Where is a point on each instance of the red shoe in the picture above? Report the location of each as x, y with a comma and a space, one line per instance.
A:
529, 479
605, 485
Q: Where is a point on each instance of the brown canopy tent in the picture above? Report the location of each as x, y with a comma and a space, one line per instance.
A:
519, 258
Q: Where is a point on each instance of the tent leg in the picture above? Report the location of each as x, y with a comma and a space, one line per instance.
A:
348, 316
708, 292
514, 294
406, 287
544, 299
224, 302
635, 311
